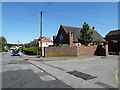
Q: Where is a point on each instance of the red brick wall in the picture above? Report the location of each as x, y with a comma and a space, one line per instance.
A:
60, 51
86, 51
72, 51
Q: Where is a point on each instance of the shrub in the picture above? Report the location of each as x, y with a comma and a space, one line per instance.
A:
30, 50
98, 42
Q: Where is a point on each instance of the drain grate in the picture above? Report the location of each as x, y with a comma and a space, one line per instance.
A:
81, 75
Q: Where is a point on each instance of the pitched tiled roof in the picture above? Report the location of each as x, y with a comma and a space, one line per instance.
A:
114, 32
77, 32
46, 40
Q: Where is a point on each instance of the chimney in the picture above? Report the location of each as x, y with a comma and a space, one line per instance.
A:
54, 38
71, 38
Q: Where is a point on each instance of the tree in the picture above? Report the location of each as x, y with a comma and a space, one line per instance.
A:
86, 35
3, 41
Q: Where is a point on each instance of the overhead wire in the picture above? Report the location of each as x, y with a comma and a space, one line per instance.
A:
23, 18
23, 3
50, 3
45, 12
20, 19
83, 8
73, 19
67, 19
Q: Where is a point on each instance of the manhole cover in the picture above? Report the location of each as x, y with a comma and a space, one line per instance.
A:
81, 75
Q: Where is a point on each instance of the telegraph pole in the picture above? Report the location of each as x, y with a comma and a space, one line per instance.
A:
40, 38
41, 33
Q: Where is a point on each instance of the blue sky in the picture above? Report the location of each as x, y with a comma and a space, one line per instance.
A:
21, 20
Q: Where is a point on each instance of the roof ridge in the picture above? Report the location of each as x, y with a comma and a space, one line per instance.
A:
115, 30
70, 26
76, 27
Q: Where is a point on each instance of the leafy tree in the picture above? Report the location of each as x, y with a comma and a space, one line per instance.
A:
86, 35
3, 41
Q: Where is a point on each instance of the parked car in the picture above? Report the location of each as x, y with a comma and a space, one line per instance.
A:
6, 50
15, 52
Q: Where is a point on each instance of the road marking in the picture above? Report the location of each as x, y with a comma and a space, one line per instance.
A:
117, 76
47, 78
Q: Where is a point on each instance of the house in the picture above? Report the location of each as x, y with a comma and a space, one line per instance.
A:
26, 45
36, 42
113, 38
14, 47
46, 42
68, 35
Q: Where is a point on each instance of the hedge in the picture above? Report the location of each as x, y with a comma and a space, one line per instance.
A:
30, 50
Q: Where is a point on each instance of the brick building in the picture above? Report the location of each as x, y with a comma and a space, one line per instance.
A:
68, 35
113, 38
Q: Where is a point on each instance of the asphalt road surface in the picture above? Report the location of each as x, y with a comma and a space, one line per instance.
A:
17, 73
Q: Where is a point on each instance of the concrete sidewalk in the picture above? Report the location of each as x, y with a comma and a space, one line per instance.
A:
34, 58
103, 69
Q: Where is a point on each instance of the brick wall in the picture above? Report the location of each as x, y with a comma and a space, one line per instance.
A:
74, 51
60, 51
86, 51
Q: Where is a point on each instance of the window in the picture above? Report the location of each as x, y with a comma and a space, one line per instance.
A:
61, 37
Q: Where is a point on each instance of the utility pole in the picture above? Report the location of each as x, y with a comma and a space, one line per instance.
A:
40, 38
41, 33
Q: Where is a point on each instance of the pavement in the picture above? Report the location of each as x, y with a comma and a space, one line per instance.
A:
35, 58
102, 67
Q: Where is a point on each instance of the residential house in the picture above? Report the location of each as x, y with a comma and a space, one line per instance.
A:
46, 42
27, 45
36, 42
68, 35
14, 47
113, 38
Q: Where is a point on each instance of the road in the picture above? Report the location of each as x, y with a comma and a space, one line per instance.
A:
20, 73
17, 73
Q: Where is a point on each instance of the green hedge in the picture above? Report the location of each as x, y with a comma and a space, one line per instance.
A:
30, 50
2, 49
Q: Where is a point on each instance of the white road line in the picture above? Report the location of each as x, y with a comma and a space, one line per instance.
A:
47, 78
117, 76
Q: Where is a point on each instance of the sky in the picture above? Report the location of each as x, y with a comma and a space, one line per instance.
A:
21, 20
